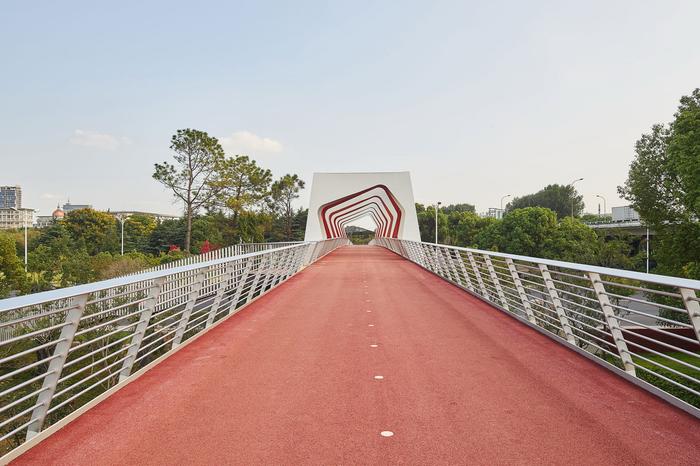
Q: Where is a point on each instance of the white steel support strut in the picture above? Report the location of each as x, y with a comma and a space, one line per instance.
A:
521, 291
496, 282
613, 324
556, 302
191, 300
480, 281
53, 372
149, 307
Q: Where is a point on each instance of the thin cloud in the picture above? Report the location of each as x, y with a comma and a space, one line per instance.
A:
102, 141
247, 142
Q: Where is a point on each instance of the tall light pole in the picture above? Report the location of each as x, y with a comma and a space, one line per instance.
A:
605, 204
437, 207
122, 219
572, 196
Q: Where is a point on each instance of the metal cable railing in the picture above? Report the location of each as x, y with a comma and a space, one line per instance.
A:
643, 324
71, 345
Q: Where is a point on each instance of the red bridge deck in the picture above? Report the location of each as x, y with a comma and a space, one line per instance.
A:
292, 379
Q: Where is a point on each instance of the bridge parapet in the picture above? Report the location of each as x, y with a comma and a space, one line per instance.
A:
69, 348
644, 327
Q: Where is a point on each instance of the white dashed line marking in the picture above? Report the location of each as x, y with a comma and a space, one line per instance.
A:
378, 377
386, 433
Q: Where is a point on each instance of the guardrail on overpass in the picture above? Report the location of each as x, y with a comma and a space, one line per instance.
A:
585, 308
74, 346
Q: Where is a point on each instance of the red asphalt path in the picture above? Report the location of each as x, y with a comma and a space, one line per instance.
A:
290, 380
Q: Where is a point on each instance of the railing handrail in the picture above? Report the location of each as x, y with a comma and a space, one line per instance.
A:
622, 273
35, 299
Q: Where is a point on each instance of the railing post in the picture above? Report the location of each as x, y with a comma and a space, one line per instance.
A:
148, 307
53, 372
693, 307
440, 261
467, 278
312, 253
556, 302
613, 324
191, 301
521, 291
240, 284
223, 284
479, 280
264, 260
496, 282
271, 270
453, 268
430, 263
296, 264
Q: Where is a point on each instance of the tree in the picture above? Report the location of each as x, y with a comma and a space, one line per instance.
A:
572, 241
556, 197
525, 231
243, 185
95, 231
166, 234
137, 230
663, 185
458, 208
193, 177
12, 275
284, 192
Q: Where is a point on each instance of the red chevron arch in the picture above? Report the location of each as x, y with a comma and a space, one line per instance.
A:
377, 202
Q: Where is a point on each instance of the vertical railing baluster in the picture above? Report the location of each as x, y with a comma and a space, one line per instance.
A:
556, 302
53, 372
521, 291
149, 307
613, 323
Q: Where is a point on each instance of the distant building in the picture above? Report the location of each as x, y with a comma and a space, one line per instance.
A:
43, 221
16, 218
10, 197
129, 213
493, 212
68, 207
624, 214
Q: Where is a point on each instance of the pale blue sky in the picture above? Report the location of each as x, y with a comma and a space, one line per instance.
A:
476, 100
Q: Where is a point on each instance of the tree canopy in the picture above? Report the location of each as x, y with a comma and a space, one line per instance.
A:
663, 185
559, 198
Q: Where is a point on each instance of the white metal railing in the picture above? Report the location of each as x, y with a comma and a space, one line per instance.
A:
221, 253
643, 324
73, 344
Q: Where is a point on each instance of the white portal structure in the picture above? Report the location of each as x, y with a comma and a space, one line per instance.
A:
338, 199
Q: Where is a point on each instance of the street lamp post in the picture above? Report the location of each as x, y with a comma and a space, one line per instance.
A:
437, 207
605, 204
122, 219
25, 244
572, 196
